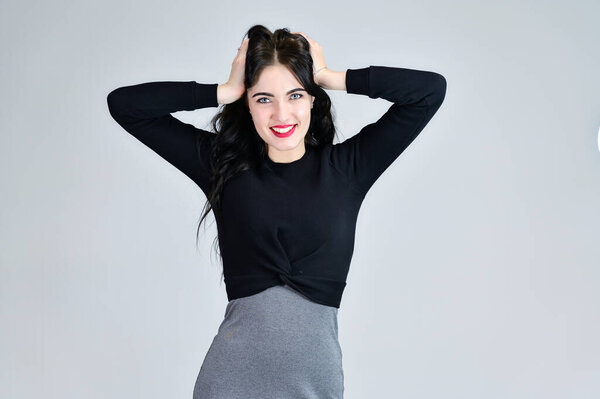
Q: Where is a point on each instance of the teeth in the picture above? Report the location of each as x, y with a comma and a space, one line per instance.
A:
283, 130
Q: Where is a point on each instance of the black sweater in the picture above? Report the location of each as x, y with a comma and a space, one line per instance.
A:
293, 222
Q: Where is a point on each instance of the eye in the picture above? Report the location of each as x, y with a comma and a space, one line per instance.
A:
265, 98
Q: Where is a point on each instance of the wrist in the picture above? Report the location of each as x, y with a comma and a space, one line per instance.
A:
226, 94
319, 72
332, 80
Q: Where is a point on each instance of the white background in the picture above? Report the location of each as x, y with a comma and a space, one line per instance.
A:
475, 272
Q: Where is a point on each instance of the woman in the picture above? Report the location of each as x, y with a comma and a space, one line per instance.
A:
285, 199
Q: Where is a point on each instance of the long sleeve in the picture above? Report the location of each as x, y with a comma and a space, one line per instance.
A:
144, 110
416, 97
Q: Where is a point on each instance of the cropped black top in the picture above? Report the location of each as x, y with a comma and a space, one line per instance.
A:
291, 223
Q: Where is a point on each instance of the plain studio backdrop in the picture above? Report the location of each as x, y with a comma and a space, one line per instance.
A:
475, 272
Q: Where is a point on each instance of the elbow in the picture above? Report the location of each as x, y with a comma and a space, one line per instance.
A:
116, 104
439, 91
112, 105
442, 86
112, 99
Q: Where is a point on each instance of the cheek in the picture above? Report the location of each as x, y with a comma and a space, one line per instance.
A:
306, 115
259, 115
261, 123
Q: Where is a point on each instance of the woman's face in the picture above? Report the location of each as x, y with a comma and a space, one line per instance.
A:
278, 99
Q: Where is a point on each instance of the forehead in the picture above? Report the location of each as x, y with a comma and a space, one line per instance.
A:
275, 79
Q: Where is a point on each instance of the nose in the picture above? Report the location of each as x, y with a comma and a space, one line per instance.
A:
282, 112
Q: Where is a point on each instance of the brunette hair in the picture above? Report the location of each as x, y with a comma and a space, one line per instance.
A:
237, 145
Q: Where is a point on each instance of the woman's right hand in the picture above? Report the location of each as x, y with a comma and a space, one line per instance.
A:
234, 88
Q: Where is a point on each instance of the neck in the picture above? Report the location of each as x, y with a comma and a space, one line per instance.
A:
287, 156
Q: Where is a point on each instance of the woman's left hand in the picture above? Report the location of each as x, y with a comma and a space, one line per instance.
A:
316, 52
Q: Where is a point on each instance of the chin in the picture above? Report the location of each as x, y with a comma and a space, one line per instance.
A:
286, 143
285, 146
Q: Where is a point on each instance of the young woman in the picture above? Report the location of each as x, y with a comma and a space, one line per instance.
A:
285, 199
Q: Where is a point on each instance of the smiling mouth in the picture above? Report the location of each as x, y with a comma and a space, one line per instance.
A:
283, 132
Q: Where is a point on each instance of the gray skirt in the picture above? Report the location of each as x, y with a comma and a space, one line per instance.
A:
274, 344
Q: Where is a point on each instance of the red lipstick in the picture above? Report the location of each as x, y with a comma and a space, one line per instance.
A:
286, 134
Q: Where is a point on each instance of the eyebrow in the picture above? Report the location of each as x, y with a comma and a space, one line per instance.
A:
262, 93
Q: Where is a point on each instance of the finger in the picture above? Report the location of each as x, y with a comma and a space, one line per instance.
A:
243, 45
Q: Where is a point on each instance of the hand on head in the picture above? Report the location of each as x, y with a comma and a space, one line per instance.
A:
235, 83
316, 52
236, 76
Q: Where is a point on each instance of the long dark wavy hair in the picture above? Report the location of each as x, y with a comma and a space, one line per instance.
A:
237, 145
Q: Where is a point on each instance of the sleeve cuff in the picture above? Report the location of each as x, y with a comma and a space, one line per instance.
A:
357, 81
205, 95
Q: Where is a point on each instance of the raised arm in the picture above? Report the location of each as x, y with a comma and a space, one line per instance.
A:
416, 94
144, 110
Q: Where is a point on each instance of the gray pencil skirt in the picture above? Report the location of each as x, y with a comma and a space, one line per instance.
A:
274, 344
